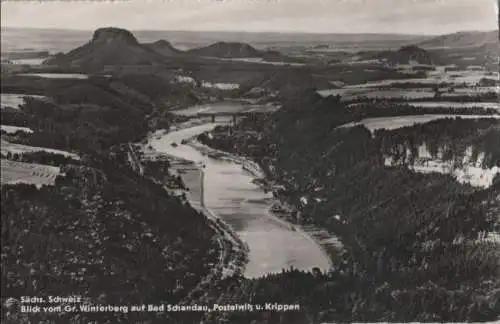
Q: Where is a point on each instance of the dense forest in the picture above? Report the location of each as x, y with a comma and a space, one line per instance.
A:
413, 243
102, 231
112, 236
95, 114
389, 107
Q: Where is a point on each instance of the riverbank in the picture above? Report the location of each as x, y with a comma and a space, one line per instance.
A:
329, 243
232, 259
248, 165
233, 196
233, 251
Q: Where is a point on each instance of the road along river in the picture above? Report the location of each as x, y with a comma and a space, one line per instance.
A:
231, 195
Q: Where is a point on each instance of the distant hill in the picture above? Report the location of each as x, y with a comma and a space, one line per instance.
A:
164, 48
24, 55
109, 46
101, 96
462, 39
288, 82
227, 50
411, 54
64, 40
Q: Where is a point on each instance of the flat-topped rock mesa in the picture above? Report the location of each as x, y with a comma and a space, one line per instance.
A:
163, 47
114, 35
228, 50
109, 46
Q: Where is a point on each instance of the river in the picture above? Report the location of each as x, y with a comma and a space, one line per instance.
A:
231, 195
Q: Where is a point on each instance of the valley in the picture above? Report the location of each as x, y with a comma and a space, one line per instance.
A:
362, 184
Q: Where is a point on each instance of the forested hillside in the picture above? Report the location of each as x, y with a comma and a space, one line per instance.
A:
102, 231
414, 243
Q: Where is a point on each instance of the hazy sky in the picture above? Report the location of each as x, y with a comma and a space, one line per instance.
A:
323, 16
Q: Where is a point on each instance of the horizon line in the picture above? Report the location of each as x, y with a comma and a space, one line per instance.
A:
249, 32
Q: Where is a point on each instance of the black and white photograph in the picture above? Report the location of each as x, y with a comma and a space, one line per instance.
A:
250, 161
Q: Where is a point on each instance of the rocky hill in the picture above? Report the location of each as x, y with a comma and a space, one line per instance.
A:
411, 54
227, 50
462, 39
109, 46
164, 48
286, 82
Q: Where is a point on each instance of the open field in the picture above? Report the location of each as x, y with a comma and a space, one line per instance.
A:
435, 77
221, 86
19, 172
462, 82
262, 61
372, 93
57, 75
13, 100
402, 121
439, 104
29, 61
12, 148
14, 129
408, 94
